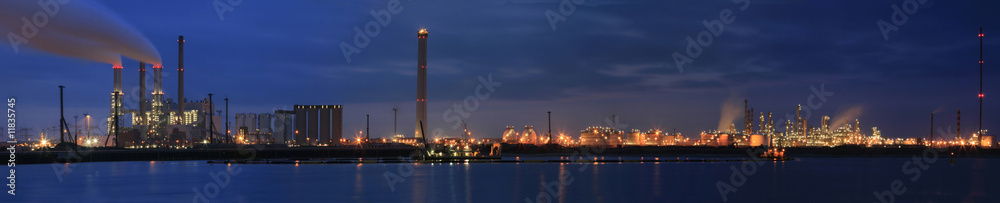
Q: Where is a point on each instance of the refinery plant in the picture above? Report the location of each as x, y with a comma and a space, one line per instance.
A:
159, 122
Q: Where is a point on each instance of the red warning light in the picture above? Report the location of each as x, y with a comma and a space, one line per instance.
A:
980, 95
980, 34
980, 61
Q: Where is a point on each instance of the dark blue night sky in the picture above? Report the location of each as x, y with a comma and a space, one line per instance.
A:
607, 57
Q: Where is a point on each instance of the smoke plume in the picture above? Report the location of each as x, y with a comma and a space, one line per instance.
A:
730, 110
75, 28
846, 116
939, 109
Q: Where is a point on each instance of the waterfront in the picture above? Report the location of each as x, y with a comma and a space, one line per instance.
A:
801, 180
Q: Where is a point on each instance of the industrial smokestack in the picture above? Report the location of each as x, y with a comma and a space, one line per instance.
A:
421, 82
959, 130
180, 79
932, 129
116, 101
157, 106
142, 93
979, 138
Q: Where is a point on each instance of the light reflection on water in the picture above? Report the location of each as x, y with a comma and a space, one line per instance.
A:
803, 180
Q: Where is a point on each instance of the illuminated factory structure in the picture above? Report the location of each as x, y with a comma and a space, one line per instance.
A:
254, 128
797, 133
608, 136
158, 121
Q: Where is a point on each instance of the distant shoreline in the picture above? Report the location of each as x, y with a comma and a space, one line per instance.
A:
305, 153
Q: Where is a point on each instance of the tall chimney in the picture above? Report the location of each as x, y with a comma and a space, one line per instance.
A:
959, 130
980, 137
116, 101
142, 93
932, 129
180, 79
158, 106
421, 82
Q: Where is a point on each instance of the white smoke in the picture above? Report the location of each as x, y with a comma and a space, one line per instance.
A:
74, 28
730, 110
939, 109
847, 116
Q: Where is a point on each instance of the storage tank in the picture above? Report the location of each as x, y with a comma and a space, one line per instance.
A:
668, 140
724, 140
593, 136
509, 135
708, 138
987, 141
756, 140
528, 135
636, 137
653, 137
615, 137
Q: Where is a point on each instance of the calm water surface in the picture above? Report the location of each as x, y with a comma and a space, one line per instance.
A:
802, 180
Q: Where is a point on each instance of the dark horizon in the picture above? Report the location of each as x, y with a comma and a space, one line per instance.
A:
606, 58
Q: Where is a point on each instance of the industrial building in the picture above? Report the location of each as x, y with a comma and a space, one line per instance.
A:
254, 128
284, 127
596, 136
318, 124
158, 120
635, 137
